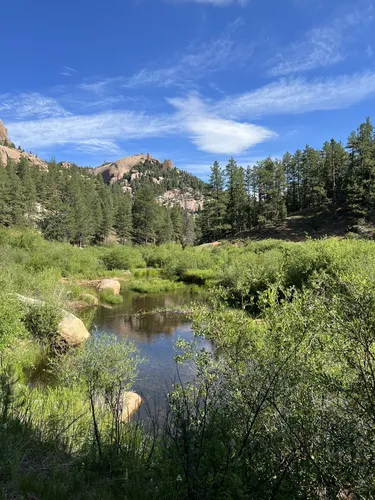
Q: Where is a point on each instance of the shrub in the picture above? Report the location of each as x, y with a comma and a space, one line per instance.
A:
42, 322
123, 257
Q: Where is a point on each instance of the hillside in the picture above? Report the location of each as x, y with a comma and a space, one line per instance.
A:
171, 186
136, 199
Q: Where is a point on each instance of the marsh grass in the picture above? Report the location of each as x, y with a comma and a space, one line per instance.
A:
109, 297
153, 285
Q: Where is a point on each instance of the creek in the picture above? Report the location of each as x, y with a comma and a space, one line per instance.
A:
141, 319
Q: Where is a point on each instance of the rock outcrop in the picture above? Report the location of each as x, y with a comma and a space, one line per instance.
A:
65, 164
114, 172
107, 284
167, 165
7, 153
3, 134
187, 200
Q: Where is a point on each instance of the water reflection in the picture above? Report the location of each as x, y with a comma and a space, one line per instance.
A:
154, 334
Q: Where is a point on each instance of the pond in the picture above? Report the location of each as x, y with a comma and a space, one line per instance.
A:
154, 334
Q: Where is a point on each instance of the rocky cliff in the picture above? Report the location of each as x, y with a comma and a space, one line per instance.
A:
114, 172
9, 152
15, 155
3, 134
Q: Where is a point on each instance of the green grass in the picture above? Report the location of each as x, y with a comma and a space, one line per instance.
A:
153, 285
109, 297
198, 276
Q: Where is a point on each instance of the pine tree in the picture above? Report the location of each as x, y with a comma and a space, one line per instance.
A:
144, 212
213, 218
236, 197
335, 160
189, 232
123, 219
176, 218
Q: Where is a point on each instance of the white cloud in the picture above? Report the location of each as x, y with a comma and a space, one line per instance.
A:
213, 134
294, 96
322, 46
89, 132
32, 105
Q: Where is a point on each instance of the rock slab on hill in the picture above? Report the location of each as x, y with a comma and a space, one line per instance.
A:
107, 284
114, 172
7, 153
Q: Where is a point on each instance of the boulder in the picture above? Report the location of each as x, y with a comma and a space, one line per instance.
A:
72, 330
89, 299
130, 404
107, 284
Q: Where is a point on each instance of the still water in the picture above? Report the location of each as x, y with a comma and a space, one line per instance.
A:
155, 335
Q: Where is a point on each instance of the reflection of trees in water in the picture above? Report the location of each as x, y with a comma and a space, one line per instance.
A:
125, 321
146, 328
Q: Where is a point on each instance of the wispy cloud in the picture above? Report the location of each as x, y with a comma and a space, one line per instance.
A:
217, 3
90, 132
199, 60
98, 86
212, 133
32, 105
294, 96
322, 46
68, 71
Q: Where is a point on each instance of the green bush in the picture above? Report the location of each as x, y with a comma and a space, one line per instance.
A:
123, 258
42, 322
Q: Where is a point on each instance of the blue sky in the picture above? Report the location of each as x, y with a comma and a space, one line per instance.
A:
189, 80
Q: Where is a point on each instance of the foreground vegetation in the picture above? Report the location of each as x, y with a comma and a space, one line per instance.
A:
281, 407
